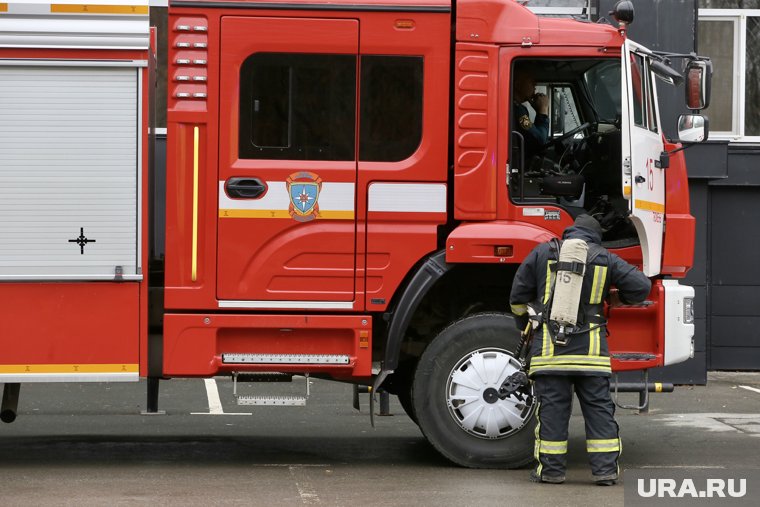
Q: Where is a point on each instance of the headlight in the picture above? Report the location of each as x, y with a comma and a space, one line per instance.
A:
688, 310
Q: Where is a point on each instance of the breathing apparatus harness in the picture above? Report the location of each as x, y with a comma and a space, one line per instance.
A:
561, 312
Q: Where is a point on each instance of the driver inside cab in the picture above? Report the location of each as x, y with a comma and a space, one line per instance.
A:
536, 132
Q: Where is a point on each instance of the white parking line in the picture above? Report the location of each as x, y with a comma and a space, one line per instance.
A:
214, 402
306, 491
748, 388
748, 424
698, 467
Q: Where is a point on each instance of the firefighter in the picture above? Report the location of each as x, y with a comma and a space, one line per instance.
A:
563, 359
535, 133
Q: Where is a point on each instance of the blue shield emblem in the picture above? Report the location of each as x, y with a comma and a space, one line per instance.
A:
304, 197
303, 190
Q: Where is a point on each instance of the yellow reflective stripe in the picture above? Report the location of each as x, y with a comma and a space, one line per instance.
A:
553, 447
595, 342
594, 283
597, 286
602, 441
548, 347
98, 9
649, 206
572, 358
519, 309
602, 279
69, 368
283, 213
593, 366
538, 439
3, 7
548, 287
570, 367
603, 445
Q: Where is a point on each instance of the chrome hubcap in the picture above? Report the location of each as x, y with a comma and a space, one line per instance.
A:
472, 395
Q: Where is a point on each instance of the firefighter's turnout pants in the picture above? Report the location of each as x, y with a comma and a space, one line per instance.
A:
555, 401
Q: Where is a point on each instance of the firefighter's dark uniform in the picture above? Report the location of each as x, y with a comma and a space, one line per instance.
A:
535, 133
583, 363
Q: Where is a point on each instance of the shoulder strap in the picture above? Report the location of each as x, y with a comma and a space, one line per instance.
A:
594, 251
556, 245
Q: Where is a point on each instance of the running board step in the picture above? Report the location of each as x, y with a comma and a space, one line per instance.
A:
285, 359
277, 401
282, 401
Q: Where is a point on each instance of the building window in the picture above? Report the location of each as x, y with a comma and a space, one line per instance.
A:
391, 107
298, 106
729, 33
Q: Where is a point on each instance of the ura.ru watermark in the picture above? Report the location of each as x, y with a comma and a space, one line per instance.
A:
710, 488
664, 487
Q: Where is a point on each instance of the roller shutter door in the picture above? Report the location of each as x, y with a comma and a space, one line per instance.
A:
69, 169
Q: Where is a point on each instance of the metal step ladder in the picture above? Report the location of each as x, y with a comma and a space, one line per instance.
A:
261, 377
281, 401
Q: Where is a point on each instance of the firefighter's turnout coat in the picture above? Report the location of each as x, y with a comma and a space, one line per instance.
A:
586, 352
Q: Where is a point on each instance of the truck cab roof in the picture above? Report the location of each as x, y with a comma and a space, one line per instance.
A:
490, 21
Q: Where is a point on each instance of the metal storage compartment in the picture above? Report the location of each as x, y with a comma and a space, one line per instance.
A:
69, 170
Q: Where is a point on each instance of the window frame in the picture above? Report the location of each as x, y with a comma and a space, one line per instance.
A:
738, 115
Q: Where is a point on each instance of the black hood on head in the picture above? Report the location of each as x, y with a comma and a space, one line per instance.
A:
586, 228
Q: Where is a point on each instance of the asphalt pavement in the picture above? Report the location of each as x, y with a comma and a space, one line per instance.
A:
88, 444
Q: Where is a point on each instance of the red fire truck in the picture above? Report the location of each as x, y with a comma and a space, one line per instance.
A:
347, 197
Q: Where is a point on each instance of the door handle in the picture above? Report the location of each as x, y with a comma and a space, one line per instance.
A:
245, 188
640, 179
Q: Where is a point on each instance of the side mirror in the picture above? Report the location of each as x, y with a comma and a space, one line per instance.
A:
693, 128
698, 83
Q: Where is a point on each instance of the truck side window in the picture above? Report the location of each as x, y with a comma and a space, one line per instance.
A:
390, 119
298, 107
563, 112
639, 83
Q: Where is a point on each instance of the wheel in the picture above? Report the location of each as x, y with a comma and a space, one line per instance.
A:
400, 384
455, 395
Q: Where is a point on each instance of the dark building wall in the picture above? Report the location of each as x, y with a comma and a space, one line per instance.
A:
734, 263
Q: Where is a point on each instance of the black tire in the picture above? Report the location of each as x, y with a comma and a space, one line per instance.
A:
402, 382
405, 398
492, 333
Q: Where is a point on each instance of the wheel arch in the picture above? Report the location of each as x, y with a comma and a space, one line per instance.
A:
428, 273
433, 283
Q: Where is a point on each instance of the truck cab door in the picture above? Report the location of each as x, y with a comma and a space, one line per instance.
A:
287, 163
643, 177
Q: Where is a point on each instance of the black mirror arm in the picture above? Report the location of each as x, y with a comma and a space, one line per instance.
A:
683, 147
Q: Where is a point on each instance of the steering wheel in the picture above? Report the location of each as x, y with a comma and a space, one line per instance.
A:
567, 135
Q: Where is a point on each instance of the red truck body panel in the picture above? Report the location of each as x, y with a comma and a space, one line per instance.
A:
86, 330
